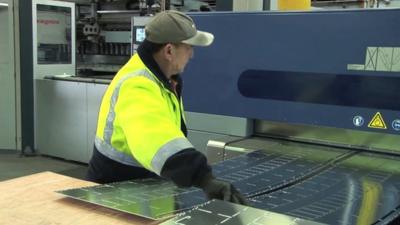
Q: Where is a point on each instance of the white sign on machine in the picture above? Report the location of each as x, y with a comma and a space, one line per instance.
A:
51, 27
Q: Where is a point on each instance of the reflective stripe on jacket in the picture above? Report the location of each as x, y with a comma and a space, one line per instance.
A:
139, 120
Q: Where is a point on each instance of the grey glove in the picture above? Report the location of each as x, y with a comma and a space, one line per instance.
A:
222, 190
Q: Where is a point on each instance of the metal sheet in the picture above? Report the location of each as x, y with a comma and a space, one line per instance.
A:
220, 212
150, 198
363, 189
282, 164
251, 173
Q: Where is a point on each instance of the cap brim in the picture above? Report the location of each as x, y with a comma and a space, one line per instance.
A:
200, 39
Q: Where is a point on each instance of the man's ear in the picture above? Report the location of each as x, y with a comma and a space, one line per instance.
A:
168, 51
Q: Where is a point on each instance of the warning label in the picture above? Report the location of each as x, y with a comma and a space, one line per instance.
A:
377, 122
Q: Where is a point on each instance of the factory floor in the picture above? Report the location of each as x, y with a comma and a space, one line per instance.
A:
13, 165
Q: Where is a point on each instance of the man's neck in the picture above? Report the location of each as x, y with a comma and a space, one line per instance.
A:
163, 64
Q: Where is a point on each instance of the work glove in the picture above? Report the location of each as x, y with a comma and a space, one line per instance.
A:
222, 190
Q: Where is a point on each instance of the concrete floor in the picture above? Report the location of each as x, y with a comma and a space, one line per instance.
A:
12, 165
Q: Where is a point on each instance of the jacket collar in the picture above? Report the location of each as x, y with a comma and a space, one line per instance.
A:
148, 60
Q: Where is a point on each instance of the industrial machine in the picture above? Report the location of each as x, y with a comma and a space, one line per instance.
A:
104, 31
319, 91
104, 35
322, 77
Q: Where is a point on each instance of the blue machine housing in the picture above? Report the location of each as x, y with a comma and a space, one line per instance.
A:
320, 68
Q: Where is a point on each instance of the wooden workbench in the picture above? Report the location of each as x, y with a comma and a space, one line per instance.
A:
32, 200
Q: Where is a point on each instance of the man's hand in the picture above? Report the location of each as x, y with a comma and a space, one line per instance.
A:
222, 190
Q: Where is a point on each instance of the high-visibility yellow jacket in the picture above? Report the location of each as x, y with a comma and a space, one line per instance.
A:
139, 120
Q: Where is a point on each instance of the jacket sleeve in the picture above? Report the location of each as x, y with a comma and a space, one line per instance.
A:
186, 168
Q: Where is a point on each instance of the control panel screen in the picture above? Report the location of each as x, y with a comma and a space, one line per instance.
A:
140, 34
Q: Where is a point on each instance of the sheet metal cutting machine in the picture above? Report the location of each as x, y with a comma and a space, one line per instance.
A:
304, 81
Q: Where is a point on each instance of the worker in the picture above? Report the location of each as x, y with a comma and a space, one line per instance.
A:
141, 128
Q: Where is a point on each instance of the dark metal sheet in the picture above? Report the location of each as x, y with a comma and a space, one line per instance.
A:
220, 212
250, 173
363, 189
269, 169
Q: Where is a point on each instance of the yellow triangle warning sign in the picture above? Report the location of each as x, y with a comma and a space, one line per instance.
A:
377, 122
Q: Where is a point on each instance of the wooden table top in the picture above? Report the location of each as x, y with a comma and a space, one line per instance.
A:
32, 200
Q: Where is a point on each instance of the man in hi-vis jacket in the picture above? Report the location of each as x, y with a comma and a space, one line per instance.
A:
141, 128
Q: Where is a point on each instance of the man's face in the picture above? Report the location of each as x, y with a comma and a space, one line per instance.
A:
181, 54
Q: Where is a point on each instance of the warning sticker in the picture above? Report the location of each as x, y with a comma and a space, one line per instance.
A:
377, 122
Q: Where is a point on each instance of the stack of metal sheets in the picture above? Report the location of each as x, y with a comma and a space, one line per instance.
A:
332, 186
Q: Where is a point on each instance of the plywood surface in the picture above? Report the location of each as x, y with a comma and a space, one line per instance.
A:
32, 200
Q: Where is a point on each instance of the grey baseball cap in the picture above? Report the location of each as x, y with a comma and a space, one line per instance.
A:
176, 27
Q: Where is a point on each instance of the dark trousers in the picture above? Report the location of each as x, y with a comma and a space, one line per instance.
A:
105, 170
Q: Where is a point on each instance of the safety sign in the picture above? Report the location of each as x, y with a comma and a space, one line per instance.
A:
396, 125
358, 121
377, 122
